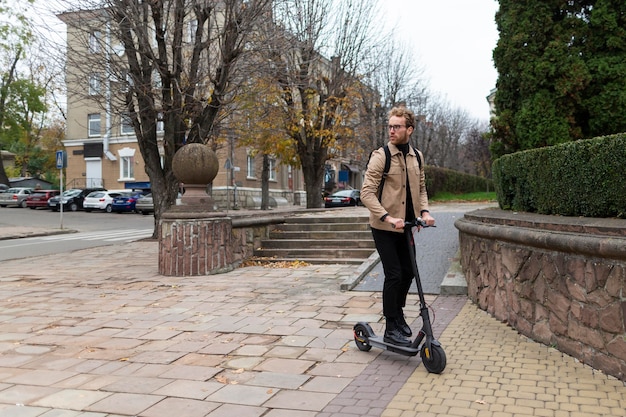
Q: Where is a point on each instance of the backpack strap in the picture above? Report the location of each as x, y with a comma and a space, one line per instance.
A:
419, 159
385, 170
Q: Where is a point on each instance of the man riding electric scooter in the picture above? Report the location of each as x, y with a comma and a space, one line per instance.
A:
394, 191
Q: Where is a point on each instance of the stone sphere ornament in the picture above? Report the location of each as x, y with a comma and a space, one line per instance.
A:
196, 165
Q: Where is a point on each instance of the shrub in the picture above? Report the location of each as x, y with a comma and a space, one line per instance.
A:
581, 178
446, 180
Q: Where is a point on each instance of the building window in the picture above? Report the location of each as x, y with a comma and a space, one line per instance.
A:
94, 124
192, 28
127, 125
251, 169
160, 126
272, 169
94, 41
127, 163
94, 84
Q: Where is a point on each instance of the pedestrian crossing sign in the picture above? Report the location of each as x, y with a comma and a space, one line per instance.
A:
61, 158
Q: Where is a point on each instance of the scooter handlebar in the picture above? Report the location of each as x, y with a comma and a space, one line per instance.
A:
419, 222
415, 223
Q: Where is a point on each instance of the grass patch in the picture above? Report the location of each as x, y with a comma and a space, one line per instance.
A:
444, 197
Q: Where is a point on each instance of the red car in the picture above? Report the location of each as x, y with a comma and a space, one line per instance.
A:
39, 198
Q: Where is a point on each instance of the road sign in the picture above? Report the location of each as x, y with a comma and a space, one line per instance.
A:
61, 158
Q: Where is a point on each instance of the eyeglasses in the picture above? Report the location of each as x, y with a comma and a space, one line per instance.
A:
395, 127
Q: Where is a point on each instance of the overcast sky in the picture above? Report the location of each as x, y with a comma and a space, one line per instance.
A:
454, 40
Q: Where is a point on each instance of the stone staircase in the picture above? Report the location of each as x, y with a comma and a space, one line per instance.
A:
322, 239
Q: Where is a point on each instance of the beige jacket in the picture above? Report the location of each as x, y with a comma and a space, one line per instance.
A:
393, 200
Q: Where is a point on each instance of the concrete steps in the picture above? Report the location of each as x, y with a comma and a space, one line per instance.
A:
323, 239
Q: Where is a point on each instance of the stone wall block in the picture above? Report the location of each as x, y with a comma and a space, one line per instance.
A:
575, 291
527, 309
615, 282
541, 313
602, 272
599, 298
558, 326
617, 347
541, 332
522, 325
569, 346
512, 260
610, 319
591, 280
559, 304
540, 290
500, 307
549, 268
531, 267
575, 268
609, 364
587, 336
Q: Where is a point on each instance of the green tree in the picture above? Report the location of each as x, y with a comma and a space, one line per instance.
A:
24, 110
604, 99
542, 73
15, 34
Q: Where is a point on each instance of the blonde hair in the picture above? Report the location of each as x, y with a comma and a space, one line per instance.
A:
402, 111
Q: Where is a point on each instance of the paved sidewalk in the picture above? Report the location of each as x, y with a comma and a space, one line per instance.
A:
99, 333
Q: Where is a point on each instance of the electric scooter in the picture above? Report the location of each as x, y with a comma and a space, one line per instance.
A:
431, 352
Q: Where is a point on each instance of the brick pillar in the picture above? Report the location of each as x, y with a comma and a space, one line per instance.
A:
193, 244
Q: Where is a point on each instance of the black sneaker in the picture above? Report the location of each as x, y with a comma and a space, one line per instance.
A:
396, 337
404, 328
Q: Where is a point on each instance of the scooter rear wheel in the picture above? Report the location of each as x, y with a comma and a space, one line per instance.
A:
361, 338
434, 360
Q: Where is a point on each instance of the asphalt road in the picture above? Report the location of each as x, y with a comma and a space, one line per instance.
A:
83, 230
435, 249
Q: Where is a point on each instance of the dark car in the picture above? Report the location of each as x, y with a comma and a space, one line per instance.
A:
72, 199
39, 198
125, 202
343, 198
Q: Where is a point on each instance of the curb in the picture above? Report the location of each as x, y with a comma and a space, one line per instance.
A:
38, 233
454, 282
360, 273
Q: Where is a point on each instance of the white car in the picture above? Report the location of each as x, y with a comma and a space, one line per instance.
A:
101, 200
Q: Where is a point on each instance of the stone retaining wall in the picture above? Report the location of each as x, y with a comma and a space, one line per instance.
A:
560, 281
231, 240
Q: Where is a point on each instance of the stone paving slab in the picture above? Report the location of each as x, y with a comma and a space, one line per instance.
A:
82, 339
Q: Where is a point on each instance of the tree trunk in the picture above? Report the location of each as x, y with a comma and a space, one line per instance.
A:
265, 183
4, 179
313, 174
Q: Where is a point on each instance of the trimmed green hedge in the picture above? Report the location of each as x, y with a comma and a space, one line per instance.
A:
581, 178
447, 180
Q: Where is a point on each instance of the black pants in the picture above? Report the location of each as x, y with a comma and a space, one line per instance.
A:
394, 255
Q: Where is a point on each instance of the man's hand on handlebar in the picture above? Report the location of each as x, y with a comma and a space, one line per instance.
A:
426, 221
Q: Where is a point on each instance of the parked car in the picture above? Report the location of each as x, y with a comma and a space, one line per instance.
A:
125, 202
3, 188
72, 199
343, 198
101, 200
145, 204
39, 198
15, 197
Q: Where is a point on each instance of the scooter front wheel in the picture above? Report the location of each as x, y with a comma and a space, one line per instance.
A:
434, 359
361, 337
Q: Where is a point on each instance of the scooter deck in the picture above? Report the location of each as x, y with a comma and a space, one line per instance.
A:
379, 342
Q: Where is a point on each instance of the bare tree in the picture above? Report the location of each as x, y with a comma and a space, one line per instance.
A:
317, 52
175, 62
395, 77
476, 151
